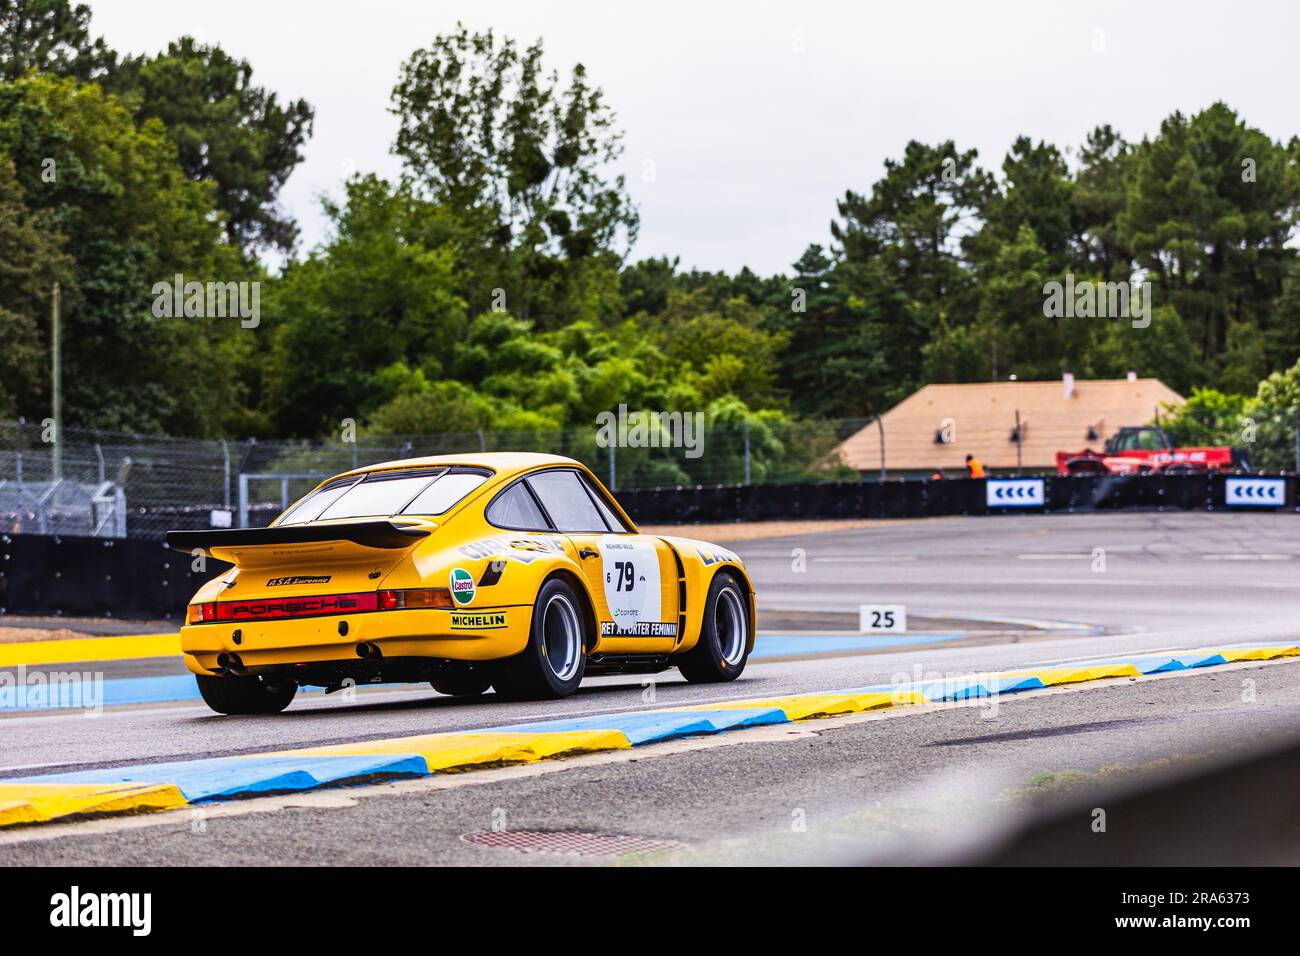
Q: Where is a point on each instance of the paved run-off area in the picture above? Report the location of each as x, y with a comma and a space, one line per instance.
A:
912, 781
894, 785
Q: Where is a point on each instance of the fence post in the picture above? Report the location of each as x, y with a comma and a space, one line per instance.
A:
99, 457
1296, 428
880, 423
243, 500
119, 511
1019, 440
56, 385
745, 422
18, 453
225, 455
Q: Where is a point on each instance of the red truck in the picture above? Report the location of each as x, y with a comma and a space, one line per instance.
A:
1149, 450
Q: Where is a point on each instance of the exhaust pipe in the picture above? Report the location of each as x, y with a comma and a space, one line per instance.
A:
230, 663
369, 651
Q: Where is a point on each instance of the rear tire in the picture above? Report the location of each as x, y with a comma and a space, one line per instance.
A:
552, 664
723, 647
244, 696
465, 684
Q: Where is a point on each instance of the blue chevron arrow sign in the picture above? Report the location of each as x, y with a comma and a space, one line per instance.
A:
1255, 492
1015, 493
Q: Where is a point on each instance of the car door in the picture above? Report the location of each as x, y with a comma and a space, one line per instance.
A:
632, 577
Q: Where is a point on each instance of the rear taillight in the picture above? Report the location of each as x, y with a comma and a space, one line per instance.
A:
414, 597
201, 613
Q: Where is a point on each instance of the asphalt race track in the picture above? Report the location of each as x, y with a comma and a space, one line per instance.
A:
905, 785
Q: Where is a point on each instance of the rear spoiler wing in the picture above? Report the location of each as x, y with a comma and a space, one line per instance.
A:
369, 534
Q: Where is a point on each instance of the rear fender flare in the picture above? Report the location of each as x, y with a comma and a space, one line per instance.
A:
699, 578
579, 585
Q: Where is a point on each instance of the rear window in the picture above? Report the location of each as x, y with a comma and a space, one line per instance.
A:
423, 492
444, 493
309, 508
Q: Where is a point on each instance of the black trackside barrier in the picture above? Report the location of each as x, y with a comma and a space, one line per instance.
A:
117, 577
922, 498
795, 502
129, 577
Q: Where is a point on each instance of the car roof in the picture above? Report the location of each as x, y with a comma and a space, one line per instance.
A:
502, 462
505, 464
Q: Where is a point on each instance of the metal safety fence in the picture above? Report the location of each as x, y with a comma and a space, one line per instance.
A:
115, 484
171, 483
48, 574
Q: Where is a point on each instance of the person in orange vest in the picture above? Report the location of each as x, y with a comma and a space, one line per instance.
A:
973, 464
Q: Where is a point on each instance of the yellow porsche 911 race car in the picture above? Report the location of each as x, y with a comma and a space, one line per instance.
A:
512, 571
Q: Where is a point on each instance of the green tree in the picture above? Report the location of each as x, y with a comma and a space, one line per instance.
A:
128, 217
1100, 195
423, 407
902, 251
228, 130
31, 261
1263, 424
50, 36
486, 131
723, 352
1208, 418
1163, 350
833, 365
915, 217
372, 296
645, 285
1210, 209
1282, 334
1036, 192
1010, 325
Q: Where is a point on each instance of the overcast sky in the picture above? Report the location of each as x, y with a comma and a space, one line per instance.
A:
756, 116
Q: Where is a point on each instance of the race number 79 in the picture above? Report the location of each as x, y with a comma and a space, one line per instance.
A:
626, 572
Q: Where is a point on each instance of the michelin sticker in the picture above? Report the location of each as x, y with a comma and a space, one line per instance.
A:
462, 585
479, 622
631, 572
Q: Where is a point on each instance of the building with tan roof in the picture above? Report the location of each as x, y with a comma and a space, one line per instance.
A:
936, 427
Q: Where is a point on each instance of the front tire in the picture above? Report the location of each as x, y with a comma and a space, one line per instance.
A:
723, 647
552, 664
245, 696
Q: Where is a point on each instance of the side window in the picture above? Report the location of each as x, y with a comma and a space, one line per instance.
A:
614, 521
515, 508
567, 501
